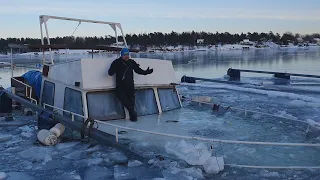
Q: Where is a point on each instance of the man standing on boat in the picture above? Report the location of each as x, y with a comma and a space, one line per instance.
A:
123, 67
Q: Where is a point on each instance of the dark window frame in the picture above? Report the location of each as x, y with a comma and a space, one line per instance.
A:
54, 92
105, 91
64, 100
176, 93
155, 99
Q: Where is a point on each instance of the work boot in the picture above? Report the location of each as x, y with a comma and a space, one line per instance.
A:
133, 116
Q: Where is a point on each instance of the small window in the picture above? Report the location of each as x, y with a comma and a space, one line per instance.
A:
168, 99
145, 103
48, 93
73, 102
104, 106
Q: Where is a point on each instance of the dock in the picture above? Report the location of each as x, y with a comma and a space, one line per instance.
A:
235, 74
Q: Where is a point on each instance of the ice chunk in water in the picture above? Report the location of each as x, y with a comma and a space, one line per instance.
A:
286, 115
18, 176
121, 173
192, 172
64, 146
178, 176
27, 131
151, 161
193, 155
214, 165
3, 176
134, 163
93, 149
298, 103
95, 161
118, 157
4, 137
36, 153
265, 173
246, 150
75, 155
47, 158
27, 134
97, 173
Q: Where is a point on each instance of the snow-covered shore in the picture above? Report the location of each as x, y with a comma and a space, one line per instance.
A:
180, 48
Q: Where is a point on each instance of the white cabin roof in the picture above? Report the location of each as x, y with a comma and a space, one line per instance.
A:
93, 73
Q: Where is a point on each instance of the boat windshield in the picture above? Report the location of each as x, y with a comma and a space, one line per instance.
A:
104, 106
145, 103
168, 99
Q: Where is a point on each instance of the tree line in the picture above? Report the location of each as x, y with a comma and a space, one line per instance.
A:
159, 39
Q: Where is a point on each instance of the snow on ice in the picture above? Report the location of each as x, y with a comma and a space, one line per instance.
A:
134, 163
3, 176
191, 154
64, 146
39, 154
5, 137
198, 154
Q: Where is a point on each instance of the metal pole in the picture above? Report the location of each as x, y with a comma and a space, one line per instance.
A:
42, 42
11, 63
124, 39
48, 39
116, 34
115, 31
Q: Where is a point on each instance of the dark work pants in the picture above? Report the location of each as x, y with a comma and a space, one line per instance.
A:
127, 98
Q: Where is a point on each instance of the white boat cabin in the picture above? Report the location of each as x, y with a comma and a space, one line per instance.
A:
84, 87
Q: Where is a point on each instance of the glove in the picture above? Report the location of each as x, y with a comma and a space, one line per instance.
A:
149, 71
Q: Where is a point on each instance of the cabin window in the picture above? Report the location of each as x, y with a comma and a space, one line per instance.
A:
104, 106
168, 99
48, 93
145, 103
73, 102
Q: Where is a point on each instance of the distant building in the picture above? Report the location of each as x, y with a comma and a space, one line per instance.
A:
247, 42
300, 40
200, 41
317, 40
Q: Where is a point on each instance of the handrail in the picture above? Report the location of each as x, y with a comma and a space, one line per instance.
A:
30, 92
72, 113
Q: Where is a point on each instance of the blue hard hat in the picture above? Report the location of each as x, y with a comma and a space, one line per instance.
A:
124, 51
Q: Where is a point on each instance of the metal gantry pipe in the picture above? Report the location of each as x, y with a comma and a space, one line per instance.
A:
48, 39
11, 62
42, 41
271, 72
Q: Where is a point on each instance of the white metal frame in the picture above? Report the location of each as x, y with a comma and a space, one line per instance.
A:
44, 19
26, 89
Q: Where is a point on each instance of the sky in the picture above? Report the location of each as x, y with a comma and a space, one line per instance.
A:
20, 18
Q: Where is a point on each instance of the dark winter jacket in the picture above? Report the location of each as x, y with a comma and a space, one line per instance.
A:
124, 72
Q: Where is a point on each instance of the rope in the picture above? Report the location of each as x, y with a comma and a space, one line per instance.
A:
212, 140
245, 110
86, 134
272, 167
76, 28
